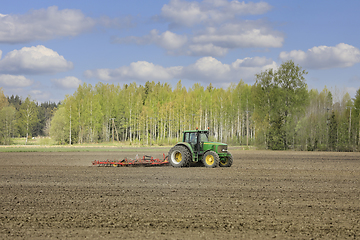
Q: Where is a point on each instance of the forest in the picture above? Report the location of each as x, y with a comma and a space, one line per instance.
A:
23, 118
277, 112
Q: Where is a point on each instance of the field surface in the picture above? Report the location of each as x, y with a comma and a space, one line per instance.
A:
264, 195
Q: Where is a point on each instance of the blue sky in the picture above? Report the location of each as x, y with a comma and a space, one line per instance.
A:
48, 47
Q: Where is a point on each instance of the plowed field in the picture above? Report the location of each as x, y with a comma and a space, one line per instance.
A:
264, 195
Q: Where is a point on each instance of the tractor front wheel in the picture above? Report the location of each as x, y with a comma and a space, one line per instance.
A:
226, 161
210, 159
179, 156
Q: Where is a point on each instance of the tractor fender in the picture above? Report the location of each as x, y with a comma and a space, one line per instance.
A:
188, 146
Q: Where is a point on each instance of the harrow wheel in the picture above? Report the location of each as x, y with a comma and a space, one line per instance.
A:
210, 159
179, 156
227, 161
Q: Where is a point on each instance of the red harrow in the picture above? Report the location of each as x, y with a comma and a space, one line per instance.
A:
144, 161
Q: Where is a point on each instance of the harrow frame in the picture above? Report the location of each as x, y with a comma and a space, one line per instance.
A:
146, 161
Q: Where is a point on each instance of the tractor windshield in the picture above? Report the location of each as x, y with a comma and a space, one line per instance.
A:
203, 137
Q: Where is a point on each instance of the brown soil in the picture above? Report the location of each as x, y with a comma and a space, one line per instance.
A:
265, 194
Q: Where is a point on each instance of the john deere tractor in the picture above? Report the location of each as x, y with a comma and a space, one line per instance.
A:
196, 148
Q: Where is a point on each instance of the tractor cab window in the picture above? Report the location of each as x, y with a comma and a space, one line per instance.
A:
203, 137
187, 137
191, 138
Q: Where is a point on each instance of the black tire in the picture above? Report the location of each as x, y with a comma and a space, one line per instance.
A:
227, 161
179, 156
210, 159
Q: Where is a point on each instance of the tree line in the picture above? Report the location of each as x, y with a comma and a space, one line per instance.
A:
277, 112
23, 118
289, 116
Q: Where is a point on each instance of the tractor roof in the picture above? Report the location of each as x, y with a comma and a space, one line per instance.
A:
191, 131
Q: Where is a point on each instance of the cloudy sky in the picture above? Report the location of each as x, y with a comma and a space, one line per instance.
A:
48, 48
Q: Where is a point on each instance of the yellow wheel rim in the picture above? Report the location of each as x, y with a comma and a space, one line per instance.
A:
178, 157
209, 160
225, 162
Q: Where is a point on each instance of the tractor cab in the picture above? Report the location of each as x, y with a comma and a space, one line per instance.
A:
196, 139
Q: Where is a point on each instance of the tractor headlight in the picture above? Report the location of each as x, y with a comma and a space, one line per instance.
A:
222, 148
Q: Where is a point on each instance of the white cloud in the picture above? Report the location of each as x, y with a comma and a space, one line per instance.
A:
185, 13
14, 81
206, 50
255, 62
324, 57
213, 41
248, 67
242, 8
250, 34
209, 69
34, 60
215, 28
167, 39
170, 40
206, 69
103, 74
141, 70
67, 82
43, 24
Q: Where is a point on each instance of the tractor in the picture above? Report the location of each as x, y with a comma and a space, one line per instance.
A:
196, 148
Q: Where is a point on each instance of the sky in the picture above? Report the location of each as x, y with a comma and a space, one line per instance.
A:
49, 47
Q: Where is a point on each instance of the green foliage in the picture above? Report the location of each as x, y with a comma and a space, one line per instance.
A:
7, 124
7, 120
276, 134
58, 129
28, 117
3, 101
153, 113
333, 137
45, 113
280, 98
31, 119
277, 112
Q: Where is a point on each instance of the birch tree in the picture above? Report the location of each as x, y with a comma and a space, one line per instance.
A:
7, 119
27, 117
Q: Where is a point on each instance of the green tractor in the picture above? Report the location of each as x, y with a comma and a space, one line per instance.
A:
196, 148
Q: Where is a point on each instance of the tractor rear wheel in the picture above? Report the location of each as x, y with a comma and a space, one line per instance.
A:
227, 161
179, 156
210, 159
